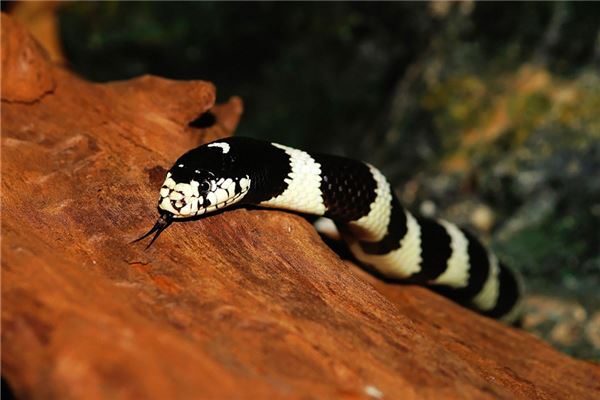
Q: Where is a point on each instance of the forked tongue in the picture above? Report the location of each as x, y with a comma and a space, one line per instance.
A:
161, 224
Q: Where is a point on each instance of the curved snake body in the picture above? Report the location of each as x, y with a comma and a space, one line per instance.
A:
377, 229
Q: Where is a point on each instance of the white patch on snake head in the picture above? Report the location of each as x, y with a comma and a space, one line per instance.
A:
202, 194
224, 146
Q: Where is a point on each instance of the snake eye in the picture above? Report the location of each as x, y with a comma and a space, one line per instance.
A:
204, 186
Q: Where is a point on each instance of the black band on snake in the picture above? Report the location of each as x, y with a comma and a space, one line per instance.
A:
377, 229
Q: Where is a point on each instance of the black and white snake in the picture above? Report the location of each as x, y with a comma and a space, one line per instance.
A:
377, 229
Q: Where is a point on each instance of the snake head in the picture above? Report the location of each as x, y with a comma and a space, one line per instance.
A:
201, 181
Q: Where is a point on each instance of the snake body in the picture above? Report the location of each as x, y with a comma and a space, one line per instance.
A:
378, 230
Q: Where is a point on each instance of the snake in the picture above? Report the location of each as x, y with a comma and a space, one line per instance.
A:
377, 229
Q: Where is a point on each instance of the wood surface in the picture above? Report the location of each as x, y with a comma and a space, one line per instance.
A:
244, 304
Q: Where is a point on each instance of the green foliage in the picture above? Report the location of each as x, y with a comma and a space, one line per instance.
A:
539, 248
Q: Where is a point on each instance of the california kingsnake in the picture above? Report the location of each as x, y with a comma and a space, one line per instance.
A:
377, 229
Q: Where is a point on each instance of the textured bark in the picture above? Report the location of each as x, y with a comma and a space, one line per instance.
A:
244, 304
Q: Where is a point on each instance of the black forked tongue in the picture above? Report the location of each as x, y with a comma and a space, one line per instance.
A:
161, 224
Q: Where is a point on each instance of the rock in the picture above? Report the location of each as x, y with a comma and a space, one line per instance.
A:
565, 323
244, 304
482, 217
592, 330
428, 208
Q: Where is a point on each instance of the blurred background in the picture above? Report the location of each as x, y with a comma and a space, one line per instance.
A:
486, 114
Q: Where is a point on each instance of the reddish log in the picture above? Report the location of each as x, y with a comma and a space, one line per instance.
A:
245, 304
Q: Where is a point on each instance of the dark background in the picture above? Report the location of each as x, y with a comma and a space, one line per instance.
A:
482, 113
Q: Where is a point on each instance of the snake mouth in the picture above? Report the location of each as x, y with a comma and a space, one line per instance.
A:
181, 206
222, 204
